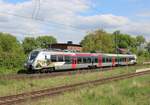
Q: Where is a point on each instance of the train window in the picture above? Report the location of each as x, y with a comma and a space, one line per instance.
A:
34, 55
84, 60
107, 59
53, 58
96, 60
47, 58
89, 60
60, 58
68, 59
116, 60
79, 60
110, 59
131, 58
104, 60
121, 59
124, 59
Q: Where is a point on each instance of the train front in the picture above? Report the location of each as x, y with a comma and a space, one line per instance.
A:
30, 64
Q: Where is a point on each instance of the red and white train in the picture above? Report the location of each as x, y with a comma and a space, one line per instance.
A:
61, 60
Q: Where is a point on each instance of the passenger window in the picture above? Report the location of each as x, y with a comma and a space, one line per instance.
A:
116, 60
121, 60
79, 60
89, 60
107, 59
60, 58
124, 59
96, 60
110, 59
103, 60
53, 58
68, 59
84, 60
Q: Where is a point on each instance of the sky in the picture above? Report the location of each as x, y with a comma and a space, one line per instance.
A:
72, 19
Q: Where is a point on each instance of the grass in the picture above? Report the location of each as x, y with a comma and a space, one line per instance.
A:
10, 87
4, 70
135, 91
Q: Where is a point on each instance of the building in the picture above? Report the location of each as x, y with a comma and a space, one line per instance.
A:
66, 46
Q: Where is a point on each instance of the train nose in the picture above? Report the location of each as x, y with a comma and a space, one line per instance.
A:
28, 65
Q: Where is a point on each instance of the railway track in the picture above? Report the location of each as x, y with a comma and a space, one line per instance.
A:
53, 74
14, 99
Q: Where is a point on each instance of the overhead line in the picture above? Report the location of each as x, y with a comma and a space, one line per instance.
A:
43, 21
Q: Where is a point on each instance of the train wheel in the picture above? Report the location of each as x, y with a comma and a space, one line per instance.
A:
52, 69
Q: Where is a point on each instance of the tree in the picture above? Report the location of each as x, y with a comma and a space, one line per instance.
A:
148, 47
44, 41
11, 52
9, 43
124, 41
140, 40
29, 44
97, 41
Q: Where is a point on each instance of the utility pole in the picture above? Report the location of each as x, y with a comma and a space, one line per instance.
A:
116, 43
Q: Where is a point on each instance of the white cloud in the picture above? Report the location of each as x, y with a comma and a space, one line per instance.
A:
144, 14
104, 20
62, 19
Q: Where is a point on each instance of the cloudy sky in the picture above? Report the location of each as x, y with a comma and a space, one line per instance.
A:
72, 19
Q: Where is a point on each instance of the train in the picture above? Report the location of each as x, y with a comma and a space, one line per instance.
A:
44, 59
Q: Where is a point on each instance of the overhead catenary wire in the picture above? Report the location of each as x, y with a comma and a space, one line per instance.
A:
36, 12
43, 21
36, 9
35, 16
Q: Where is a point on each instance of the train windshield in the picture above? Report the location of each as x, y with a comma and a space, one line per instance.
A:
33, 55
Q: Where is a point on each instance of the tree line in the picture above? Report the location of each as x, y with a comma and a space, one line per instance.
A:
103, 41
13, 53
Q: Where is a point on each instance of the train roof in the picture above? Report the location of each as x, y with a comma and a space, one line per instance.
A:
57, 51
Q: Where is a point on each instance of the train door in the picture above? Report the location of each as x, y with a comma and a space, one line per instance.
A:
113, 61
99, 60
74, 62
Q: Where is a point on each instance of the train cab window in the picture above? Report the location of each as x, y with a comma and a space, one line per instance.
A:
68, 59
53, 58
60, 58
79, 60
132, 58
34, 55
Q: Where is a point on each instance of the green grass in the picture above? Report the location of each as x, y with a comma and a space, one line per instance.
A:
4, 70
135, 91
10, 87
